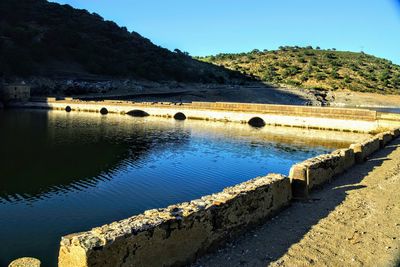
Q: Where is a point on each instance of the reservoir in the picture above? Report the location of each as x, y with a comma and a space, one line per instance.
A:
63, 173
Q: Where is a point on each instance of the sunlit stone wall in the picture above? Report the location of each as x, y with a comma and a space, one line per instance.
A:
318, 170
176, 235
341, 119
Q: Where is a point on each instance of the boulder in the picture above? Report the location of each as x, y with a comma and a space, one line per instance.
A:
25, 262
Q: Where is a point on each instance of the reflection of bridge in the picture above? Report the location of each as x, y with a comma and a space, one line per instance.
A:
327, 118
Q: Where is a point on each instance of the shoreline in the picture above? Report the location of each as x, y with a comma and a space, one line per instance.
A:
352, 221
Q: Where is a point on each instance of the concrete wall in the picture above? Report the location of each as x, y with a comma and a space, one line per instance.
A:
339, 119
178, 234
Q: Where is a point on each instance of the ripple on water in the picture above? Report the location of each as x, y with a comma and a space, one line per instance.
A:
84, 170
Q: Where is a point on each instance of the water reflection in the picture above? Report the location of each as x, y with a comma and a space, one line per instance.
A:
48, 151
68, 172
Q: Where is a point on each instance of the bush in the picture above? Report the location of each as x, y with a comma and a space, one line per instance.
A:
347, 79
320, 76
290, 71
335, 74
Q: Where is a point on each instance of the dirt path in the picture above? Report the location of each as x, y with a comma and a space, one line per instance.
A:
354, 221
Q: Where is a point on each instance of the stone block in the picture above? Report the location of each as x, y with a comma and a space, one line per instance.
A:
384, 138
299, 182
365, 149
344, 161
395, 132
25, 262
321, 169
369, 147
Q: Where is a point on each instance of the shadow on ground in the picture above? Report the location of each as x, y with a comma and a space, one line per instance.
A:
269, 242
254, 92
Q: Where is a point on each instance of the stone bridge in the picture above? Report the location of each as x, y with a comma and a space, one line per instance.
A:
258, 115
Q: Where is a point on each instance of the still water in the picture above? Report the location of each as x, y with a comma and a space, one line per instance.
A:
68, 172
390, 110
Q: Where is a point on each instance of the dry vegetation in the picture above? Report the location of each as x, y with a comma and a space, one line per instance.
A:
315, 69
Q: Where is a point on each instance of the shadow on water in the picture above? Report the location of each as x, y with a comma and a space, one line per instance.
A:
61, 157
274, 238
43, 154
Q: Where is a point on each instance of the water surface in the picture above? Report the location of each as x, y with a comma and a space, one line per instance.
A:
68, 172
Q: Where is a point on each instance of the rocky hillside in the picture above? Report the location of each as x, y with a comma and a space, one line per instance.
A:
51, 40
315, 69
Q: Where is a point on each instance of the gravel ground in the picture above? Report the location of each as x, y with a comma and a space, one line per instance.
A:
353, 221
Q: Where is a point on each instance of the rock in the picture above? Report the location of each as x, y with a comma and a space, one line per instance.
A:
25, 262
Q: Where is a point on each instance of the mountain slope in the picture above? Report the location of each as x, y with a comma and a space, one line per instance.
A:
315, 69
48, 39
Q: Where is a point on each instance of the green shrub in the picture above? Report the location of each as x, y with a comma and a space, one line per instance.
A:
320, 76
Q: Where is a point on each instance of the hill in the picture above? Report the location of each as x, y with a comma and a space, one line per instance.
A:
315, 69
48, 39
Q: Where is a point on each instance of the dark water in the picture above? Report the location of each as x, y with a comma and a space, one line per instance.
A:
62, 173
390, 110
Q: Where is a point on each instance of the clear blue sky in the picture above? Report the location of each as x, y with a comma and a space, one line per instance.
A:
203, 27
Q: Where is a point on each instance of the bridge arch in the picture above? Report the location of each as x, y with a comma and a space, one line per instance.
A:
103, 111
68, 109
138, 113
180, 116
257, 122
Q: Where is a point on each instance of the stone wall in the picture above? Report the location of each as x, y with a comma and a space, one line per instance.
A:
325, 112
178, 234
388, 120
316, 171
385, 138
364, 149
395, 132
